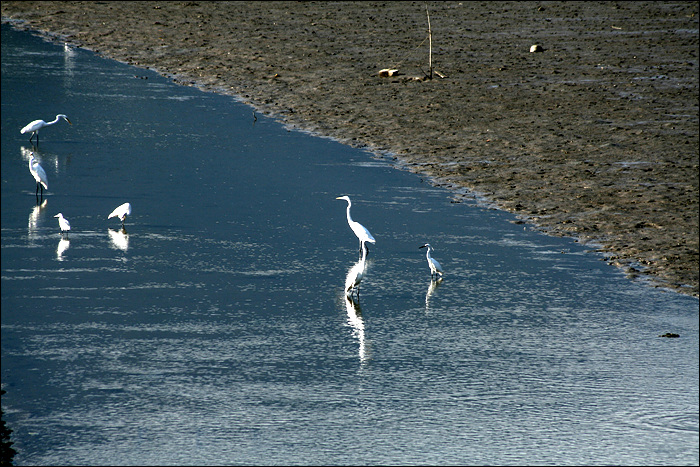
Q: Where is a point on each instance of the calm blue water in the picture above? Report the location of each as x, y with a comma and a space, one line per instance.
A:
215, 330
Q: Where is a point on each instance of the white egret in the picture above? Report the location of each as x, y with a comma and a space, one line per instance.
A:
360, 230
121, 212
39, 175
63, 223
37, 125
354, 277
435, 268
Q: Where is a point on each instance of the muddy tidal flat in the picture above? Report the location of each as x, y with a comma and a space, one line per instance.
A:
593, 134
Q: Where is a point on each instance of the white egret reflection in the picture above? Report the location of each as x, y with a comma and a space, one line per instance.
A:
47, 158
63, 245
434, 284
34, 218
357, 324
27, 152
355, 275
68, 65
119, 239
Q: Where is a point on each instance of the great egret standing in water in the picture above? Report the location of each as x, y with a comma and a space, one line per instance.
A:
39, 174
435, 268
121, 212
360, 230
354, 277
63, 223
37, 125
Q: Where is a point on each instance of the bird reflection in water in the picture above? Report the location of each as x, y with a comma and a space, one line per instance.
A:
357, 324
63, 245
434, 284
27, 153
119, 239
34, 217
355, 275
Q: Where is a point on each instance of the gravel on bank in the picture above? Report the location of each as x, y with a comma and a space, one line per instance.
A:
593, 136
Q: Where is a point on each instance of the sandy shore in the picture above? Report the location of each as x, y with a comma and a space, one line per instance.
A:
595, 137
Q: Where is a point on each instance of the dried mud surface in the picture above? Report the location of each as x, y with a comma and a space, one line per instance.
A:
595, 137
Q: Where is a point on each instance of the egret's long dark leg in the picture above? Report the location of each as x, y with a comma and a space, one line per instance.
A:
363, 245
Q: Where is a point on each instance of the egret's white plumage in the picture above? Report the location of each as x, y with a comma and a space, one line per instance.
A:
63, 222
39, 174
360, 230
37, 125
121, 212
435, 268
354, 277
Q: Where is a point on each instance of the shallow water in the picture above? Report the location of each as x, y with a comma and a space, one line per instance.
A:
215, 330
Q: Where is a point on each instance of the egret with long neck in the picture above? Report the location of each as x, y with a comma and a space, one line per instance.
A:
39, 175
37, 125
435, 267
360, 230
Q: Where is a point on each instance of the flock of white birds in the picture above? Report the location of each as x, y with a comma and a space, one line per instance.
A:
42, 181
352, 280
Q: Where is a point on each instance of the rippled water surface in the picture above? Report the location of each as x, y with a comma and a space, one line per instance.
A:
214, 329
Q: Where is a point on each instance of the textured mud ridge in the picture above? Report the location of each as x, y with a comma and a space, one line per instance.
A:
595, 137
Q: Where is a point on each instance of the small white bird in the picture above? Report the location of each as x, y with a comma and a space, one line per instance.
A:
360, 230
435, 268
39, 175
355, 274
121, 212
63, 223
37, 125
